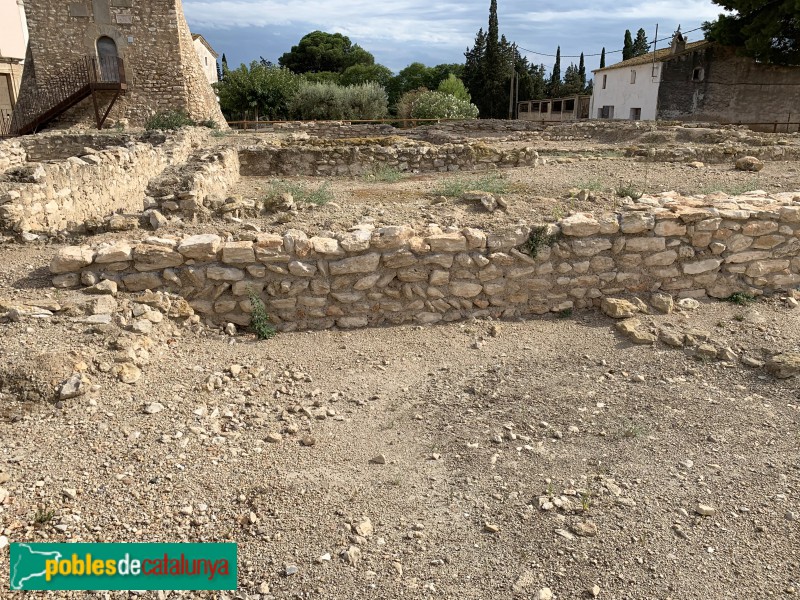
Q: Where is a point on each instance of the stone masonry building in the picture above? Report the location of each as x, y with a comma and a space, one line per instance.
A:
146, 45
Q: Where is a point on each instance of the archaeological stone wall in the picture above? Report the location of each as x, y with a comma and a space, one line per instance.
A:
310, 160
62, 196
192, 187
12, 155
391, 275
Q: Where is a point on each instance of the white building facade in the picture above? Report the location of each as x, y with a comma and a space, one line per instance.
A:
208, 57
629, 89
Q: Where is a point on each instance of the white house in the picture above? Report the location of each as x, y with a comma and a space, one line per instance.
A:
13, 43
208, 57
629, 89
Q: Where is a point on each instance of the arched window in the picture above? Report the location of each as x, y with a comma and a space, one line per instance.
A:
107, 59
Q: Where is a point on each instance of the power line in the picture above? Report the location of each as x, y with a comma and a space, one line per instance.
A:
599, 53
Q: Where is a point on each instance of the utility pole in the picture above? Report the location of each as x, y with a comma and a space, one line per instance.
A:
511, 95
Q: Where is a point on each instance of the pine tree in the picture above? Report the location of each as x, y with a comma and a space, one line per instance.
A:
220, 75
554, 85
627, 47
582, 74
640, 45
603, 58
572, 81
473, 76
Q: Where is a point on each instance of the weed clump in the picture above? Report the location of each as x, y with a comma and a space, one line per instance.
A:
740, 298
538, 239
259, 319
300, 192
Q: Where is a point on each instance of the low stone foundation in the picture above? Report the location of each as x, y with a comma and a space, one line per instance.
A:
51, 197
683, 246
357, 159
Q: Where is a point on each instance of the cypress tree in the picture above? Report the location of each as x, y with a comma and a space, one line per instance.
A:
582, 73
627, 47
603, 59
555, 77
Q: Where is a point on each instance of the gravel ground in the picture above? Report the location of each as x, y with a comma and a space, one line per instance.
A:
517, 456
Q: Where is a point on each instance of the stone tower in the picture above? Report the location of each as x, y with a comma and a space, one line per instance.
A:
161, 69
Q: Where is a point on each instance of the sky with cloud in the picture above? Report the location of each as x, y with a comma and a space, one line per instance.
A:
405, 31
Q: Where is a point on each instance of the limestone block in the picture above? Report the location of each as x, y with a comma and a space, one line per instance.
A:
150, 257
757, 228
447, 242
326, 246
637, 222
645, 244
764, 242
390, 238
617, 308
507, 239
219, 273
739, 242
399, 259
790, 214
112, 253
356, 241
580, 225
238, 253
661, 259
743, 257
590, 247
138, 282
708, 224
365, 263
465, 289
71, 258
476, 239
701, 266
670, 228
763, 267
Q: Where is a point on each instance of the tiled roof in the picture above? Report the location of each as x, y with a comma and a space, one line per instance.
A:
660, 56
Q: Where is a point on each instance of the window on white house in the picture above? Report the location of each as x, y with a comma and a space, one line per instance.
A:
606, 112
605, 80
636, 114
633, 76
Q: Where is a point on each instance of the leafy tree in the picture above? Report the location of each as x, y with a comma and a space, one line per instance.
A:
603, 58
554, 85
627, 47
640, 45
406, 102
320, 51
767, 31
365, 73
589, 87
453, 86
572, 82
417, 75
257, 91
322, 77
438, 105
538, 82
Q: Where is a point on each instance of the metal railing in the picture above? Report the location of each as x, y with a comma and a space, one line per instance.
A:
5, 123
62, 91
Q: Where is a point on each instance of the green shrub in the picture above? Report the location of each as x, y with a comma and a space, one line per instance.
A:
329, 101
259, 319
175, 119
438, 105
537, 240
170, 120
453, 86
741, 298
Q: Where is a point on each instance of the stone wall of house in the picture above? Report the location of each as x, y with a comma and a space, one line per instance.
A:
62, 196
391, 275
347, 159
162, 68
713, 83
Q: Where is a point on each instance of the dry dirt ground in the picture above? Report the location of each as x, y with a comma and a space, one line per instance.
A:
517, 457
534, 194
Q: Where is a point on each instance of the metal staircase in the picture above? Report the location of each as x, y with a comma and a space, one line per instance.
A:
89, 76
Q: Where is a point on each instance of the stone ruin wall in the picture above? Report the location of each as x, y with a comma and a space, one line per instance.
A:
395, 275
62, 196
309, 160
